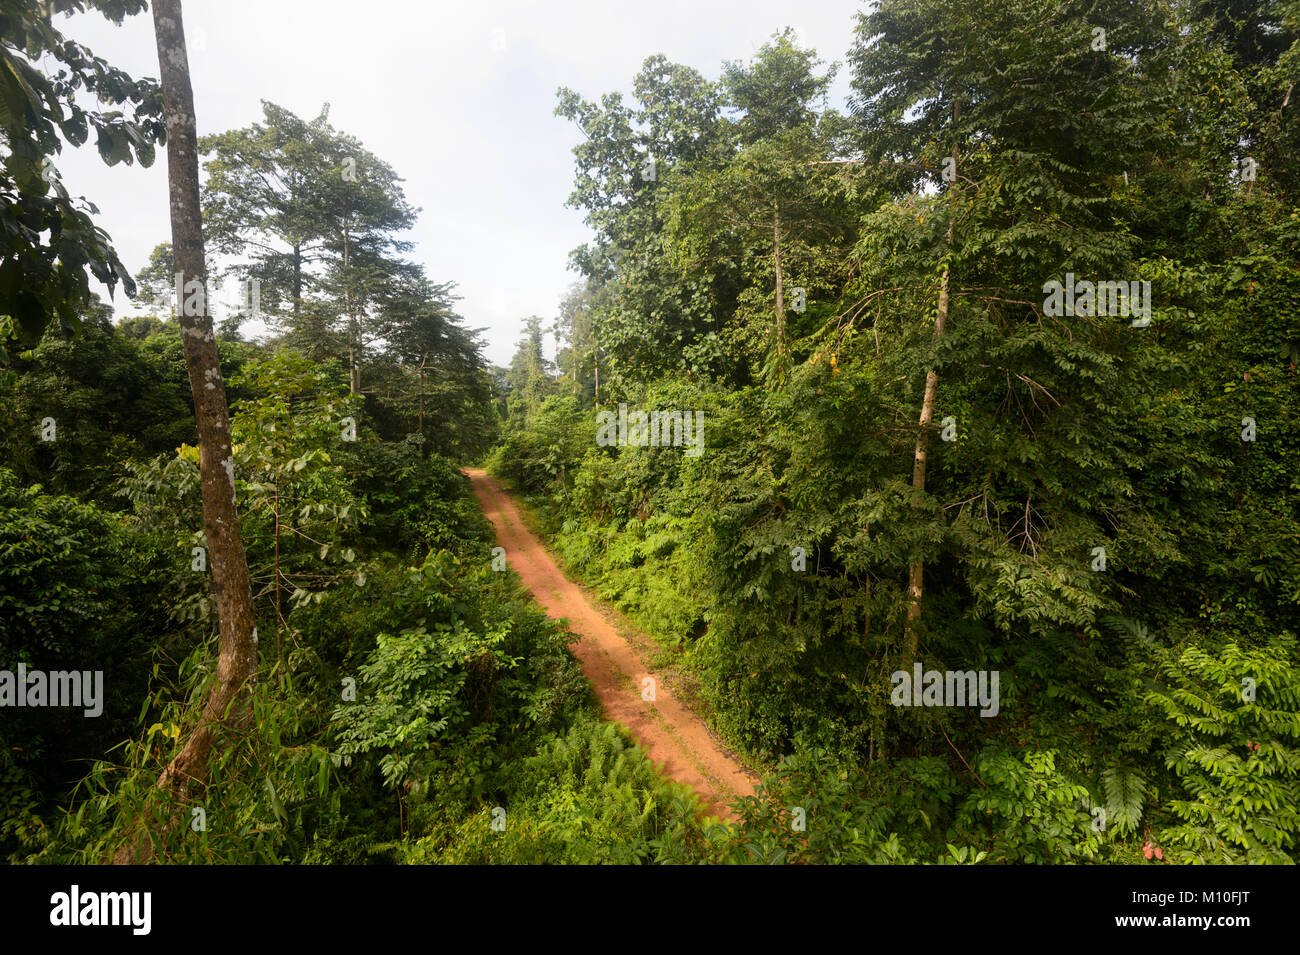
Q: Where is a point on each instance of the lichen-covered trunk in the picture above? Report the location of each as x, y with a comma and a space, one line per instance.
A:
297, 277
424, 446
228, 699
916, 570
780, 283
354, 330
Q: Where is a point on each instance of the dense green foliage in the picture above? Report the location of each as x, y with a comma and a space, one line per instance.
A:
409, 688
49, 245
774, 567
1108, 517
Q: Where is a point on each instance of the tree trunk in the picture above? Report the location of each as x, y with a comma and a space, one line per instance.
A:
279, 617
228, 701
780, 288
916, 571
354, 335
297, 278
424, 447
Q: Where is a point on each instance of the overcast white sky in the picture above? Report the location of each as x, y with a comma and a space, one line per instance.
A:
457, 96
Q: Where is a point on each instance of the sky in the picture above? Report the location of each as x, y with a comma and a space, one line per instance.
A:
458, 97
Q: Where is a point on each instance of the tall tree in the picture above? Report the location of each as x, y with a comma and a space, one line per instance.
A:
360, 209
630, 154
422, 335
262, 199
317, 213
997, 139
578, 349
773, 206
156, 282
529, 378
229, 699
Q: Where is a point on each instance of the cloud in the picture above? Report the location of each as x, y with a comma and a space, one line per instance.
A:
456, 96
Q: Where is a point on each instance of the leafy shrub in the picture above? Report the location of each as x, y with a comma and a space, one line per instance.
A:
77, 592
587, 797
1234, 723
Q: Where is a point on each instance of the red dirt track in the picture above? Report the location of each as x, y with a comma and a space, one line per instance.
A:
675, 739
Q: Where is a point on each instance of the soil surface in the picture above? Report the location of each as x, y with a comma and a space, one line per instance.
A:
674, 738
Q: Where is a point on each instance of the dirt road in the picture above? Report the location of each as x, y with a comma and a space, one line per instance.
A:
674, 738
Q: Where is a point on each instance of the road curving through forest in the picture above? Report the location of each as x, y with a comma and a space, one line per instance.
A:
671, 735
